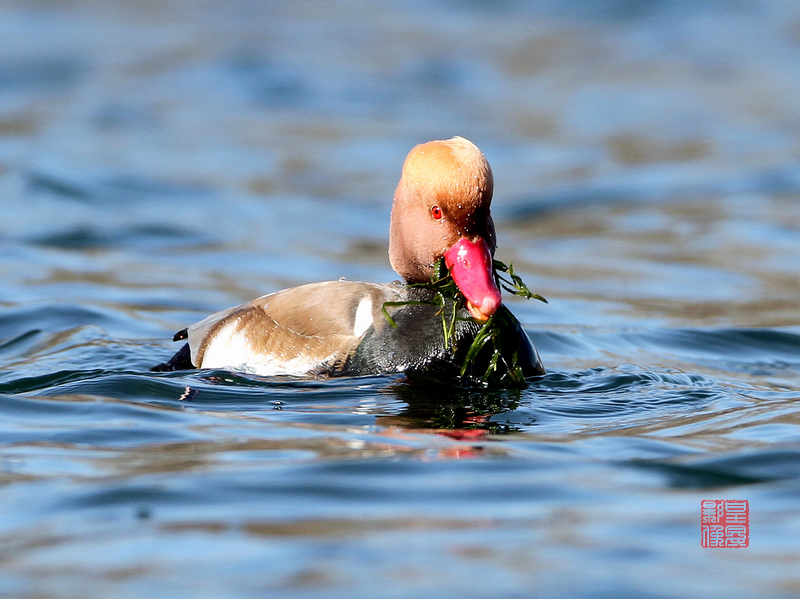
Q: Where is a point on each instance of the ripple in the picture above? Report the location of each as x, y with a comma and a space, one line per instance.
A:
740, 468
144, 236
48, 73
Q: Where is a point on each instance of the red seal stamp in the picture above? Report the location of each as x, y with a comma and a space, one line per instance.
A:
724, 523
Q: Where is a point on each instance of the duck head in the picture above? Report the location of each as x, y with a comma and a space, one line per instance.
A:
441, 210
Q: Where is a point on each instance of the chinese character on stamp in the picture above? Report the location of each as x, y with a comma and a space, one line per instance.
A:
724, 523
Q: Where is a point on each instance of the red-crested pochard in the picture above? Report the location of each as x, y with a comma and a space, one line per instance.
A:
340, 328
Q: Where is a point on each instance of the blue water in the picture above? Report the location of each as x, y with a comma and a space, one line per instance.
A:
162, 161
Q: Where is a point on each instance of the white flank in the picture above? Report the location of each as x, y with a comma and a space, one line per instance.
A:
230, 350
363, 317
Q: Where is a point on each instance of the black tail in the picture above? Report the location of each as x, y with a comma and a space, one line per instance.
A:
180, 361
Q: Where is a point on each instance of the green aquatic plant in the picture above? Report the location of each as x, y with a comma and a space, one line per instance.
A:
516, 286
443, 285
451, 301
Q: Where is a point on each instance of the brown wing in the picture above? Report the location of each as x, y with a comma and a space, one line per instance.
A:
292, 331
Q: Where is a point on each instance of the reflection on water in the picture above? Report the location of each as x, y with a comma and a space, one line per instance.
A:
161, 161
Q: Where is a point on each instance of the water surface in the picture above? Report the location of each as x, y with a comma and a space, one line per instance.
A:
159, 162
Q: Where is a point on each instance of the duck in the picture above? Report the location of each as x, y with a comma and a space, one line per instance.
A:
440, 214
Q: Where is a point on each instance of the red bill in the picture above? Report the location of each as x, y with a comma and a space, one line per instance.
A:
470, 264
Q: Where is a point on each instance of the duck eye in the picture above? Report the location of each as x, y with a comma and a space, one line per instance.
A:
436, 212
